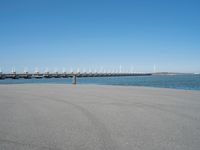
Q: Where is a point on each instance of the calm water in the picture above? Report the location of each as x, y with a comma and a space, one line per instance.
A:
188, 82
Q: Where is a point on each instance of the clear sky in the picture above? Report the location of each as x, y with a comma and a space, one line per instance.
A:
100, 33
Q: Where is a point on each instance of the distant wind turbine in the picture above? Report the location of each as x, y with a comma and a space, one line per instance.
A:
154, 68
90, 71
13, 70
84, 71
71, 70
132, 69
25, 70
36, 70
120, 69
46, 70
63, 70
55, 70
78, 70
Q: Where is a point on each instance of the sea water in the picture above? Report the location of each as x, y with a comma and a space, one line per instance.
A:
187, 82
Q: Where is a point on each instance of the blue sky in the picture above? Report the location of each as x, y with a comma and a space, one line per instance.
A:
100, 33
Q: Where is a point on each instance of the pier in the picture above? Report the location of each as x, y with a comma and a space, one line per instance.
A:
74, 76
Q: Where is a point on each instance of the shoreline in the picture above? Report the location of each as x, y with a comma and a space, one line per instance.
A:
100, 85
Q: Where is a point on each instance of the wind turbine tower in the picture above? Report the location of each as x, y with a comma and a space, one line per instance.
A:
120, 69
154, 68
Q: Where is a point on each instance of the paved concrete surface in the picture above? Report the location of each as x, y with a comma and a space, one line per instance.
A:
89, 117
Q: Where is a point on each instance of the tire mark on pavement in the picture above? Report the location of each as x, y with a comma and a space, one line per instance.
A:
103, 133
